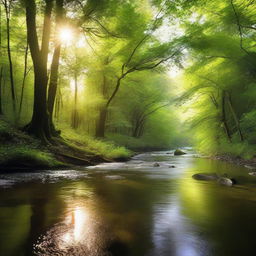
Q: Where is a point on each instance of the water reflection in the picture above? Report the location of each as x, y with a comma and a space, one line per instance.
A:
130, 209
77, 235
172, 228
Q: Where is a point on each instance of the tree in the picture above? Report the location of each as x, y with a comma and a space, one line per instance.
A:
52, 89
39, 125
8, 4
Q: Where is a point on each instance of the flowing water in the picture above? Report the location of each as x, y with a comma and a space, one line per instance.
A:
130, 208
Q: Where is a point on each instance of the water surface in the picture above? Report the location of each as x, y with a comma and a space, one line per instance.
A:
129, 208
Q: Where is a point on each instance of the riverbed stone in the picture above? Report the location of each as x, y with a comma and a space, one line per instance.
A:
226, 181
172, 166
179, 152
156, 165
205, 176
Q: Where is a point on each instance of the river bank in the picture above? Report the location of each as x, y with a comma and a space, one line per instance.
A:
247, 163
19, 151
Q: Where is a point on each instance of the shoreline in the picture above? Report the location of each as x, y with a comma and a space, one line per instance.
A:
249, 164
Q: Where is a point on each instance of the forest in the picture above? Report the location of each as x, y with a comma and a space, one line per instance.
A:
87, 80
127, 127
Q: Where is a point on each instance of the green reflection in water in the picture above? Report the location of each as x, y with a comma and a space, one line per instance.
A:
18, 218
225, 216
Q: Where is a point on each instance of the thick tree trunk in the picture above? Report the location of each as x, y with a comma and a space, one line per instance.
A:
39, 125
52, 90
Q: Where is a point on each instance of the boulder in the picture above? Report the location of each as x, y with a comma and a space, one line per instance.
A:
172, 166
205, 176
179, 152
156, 165
252, 173
226, 181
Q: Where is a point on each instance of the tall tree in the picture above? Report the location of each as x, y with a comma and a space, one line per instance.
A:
8, 4
39, 125
52, 90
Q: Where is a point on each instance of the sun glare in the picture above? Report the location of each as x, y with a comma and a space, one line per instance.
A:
80, 86
66, 35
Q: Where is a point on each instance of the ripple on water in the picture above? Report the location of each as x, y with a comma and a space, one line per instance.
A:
7, 180
6, 183
114, 177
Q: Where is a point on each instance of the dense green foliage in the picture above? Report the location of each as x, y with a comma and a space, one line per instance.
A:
219, 79
136, 73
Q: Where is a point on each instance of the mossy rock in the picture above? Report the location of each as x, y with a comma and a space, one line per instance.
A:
179, 152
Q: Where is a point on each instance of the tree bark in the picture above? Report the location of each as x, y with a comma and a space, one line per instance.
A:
235, 117
7, 14
52, 90
39, 125
101, 122
224, 117
75, 117
23, 80
100, 130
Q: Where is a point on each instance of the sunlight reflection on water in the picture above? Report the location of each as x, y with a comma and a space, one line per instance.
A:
77, 235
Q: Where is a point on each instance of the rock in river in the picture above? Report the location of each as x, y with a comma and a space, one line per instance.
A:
205, 176
179, 152
226, 181
156, 165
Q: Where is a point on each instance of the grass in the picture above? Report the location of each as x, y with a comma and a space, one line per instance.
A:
17, 149
104, 148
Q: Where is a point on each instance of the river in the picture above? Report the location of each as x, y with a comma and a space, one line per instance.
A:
130, 208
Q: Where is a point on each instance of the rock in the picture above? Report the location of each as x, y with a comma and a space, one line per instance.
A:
226, 181
252, 173
179, 152
169, 153
156, 165
172, 166
205, 176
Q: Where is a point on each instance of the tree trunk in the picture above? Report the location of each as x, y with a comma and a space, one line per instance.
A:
101, 122
23, 80
39, 125
7, 13
224, 118
100, 128
75, 117
235, 118
52, 90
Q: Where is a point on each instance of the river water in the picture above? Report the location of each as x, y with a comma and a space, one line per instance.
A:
130, 208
